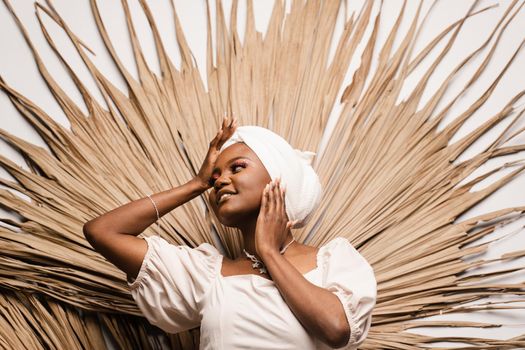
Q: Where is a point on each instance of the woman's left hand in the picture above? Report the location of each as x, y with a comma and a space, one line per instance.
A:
272, 222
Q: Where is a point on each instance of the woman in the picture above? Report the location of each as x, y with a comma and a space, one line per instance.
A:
280, 294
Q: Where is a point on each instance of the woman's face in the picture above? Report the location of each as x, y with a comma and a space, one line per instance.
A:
240, 172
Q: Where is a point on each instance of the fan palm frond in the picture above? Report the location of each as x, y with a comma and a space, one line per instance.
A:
391, 180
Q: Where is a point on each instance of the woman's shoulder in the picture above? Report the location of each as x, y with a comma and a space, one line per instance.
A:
303, 257
340, 244
341, 250
156, 241
305, 250
204, 256
328, 246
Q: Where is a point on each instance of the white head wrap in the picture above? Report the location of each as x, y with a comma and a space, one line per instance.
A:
293, 166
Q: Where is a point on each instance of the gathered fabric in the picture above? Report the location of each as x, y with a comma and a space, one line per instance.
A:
179, 288
292, 166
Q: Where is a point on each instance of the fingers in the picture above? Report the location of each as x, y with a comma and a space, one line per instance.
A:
267, 202
217, 139
228, 128
231, 122
275, 201
264, 201
225, 122
283, 196
277, 195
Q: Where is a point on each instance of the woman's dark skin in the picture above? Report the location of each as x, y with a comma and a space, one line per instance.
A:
256, 209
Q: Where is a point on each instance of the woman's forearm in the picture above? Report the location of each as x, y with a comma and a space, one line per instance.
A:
319, 310
134, 217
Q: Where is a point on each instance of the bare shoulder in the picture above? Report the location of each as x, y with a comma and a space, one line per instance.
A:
229, 267
303, 257
311, 249
305, 250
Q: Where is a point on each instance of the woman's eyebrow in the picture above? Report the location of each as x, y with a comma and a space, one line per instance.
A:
229, 162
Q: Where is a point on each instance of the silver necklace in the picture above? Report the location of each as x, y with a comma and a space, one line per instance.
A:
258, 264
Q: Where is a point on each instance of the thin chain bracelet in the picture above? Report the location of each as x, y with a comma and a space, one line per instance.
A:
156, 209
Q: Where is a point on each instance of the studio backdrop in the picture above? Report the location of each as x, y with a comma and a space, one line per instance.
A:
414, 110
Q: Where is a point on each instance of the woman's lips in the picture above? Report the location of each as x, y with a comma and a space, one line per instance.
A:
224, 198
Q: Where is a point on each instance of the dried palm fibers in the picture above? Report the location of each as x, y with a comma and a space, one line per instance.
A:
389, 177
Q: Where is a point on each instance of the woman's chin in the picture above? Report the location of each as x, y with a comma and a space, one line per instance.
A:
228, 219
226, 216
232, 216
232, 213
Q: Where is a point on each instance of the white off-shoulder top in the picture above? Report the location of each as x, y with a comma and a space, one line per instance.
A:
179, 288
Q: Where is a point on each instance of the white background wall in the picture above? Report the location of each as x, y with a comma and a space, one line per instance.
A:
18, 69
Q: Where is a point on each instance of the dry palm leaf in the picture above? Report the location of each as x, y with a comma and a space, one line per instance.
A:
30, 323
390, 183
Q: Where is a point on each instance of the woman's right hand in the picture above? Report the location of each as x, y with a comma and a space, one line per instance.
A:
225, 132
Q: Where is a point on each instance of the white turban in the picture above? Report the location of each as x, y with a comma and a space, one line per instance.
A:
293, 166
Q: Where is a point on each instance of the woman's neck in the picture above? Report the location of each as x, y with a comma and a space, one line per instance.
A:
248, 235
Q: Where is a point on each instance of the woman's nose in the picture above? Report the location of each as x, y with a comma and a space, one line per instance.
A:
221, 181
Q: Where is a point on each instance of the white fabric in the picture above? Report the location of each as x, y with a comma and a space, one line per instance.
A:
179, 287
293, 166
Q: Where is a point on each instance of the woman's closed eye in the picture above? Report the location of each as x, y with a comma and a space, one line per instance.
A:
237, 165
233, 168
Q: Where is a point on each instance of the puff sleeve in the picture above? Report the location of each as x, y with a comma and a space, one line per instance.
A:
172, 283
348, 275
